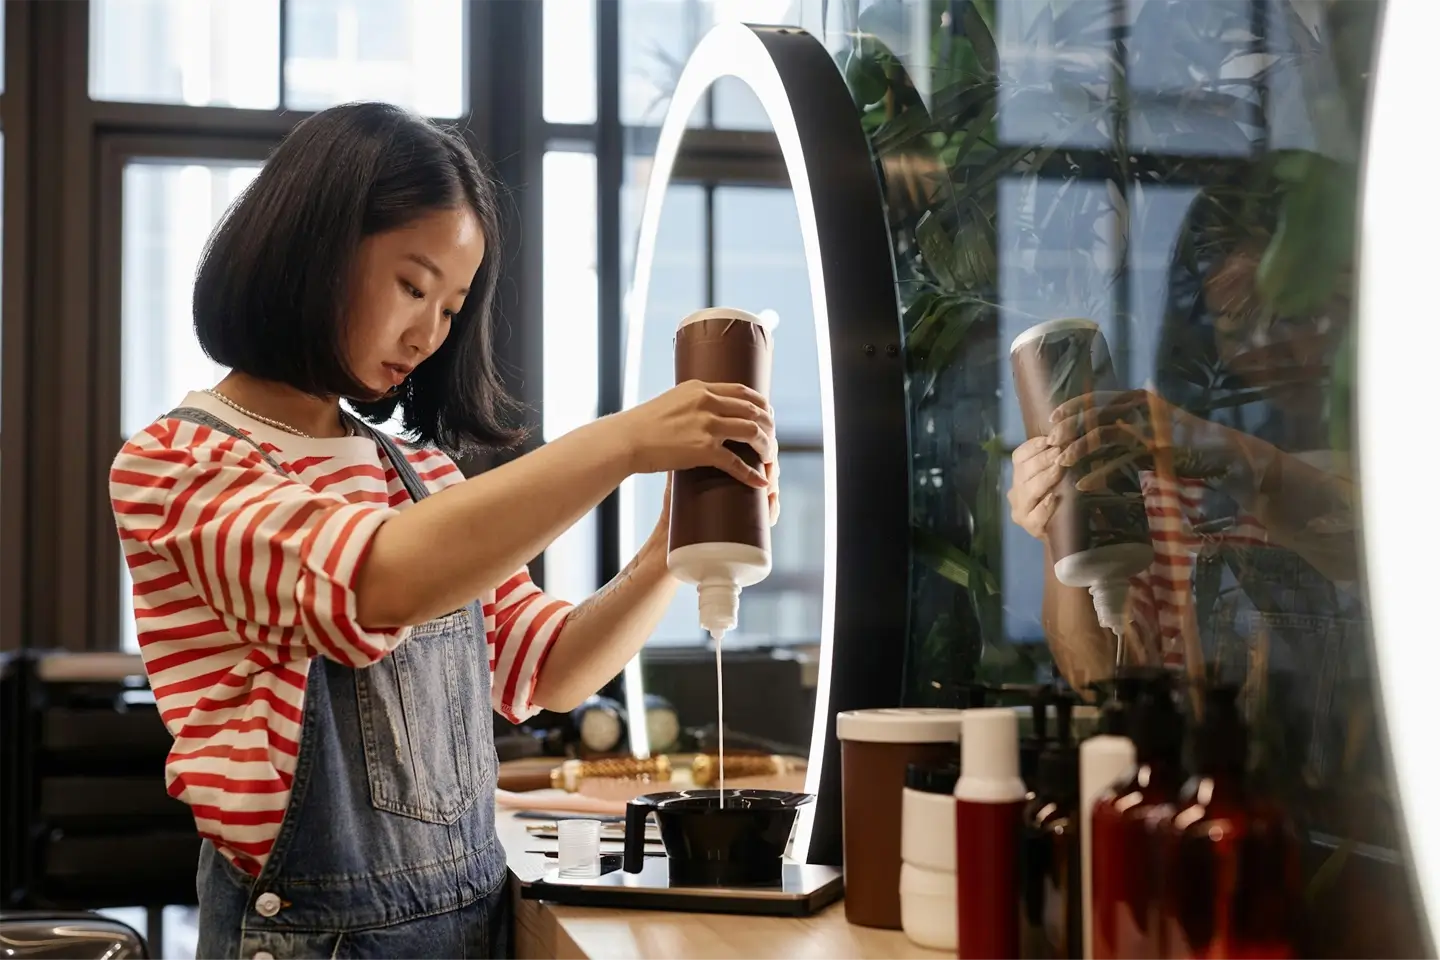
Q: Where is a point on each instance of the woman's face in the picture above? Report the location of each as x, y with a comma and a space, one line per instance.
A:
408, 285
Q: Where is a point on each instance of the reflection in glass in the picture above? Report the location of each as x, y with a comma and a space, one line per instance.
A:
402, 51
570, 345
1182, 174
195, 52
168, 210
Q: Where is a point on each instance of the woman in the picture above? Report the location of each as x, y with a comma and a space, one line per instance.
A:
322, 611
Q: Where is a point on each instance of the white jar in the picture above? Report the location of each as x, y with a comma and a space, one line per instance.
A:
927, 851
928, 907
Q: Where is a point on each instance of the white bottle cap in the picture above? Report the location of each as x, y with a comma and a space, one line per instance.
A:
900, 725
990, 757
719, 605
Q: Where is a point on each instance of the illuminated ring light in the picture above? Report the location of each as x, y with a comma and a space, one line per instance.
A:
1398, 341
862, 393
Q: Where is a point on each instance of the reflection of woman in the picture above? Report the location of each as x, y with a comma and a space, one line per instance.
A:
1278, 520
327, 616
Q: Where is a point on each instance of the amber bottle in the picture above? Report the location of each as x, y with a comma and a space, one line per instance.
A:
1050, 926
1230, 854
1126, 821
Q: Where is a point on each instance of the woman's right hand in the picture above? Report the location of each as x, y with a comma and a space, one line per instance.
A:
688, 426
1032, 493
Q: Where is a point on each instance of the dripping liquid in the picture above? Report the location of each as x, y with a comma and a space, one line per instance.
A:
720, 720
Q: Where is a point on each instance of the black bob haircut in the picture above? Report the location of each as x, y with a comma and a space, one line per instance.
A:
273, 284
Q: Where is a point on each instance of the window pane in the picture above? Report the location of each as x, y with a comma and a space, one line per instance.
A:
760, 266
168, 210
195, 52
570, 345
569, 55
677, 288
407, 52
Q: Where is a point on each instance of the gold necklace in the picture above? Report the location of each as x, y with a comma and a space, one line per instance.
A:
349, 432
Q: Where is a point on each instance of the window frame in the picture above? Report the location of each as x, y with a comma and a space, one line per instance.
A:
14, 303
59, 573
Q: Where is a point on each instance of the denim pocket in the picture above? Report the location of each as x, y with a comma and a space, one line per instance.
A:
418, 719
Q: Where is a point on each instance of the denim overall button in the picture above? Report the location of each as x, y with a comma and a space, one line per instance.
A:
267, 905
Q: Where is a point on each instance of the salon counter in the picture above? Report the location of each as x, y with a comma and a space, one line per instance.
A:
546, 930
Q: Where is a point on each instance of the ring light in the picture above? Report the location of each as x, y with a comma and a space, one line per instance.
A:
1397, 340
845, 237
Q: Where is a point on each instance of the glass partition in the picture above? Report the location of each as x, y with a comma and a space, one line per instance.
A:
1178, 179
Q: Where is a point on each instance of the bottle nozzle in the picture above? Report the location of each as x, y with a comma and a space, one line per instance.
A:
1109, 598
719, 606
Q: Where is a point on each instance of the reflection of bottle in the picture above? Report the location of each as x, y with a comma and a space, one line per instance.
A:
719, 527
1126, 822
1104, 758
989, 799
1099, 539
1050, 851
1231, 860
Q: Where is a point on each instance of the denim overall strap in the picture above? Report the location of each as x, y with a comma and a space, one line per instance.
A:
388, 845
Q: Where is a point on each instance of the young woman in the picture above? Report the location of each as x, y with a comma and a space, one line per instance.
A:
326, 616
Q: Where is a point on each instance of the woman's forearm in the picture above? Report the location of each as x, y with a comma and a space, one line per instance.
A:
1303, 508
602, 634
444, 551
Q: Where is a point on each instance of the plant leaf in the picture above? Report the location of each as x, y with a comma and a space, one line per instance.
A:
937, 250
951, 562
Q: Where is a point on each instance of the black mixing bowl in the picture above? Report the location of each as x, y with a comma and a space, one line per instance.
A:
739, 844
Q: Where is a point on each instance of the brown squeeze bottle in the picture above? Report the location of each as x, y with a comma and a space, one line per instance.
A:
1127, 819
720, 527
1050, 926
1230, 854
1098, 539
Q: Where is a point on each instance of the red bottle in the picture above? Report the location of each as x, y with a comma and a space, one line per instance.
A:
1231, 856
990, 798
1125, 862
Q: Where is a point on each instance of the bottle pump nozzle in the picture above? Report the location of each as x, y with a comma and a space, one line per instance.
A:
719, 606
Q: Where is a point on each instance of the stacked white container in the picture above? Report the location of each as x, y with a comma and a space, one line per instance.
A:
927, 852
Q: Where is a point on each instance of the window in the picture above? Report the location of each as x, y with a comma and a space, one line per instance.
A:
195, 52
408, 52
227, 53
168, 210
569, 60
570, 345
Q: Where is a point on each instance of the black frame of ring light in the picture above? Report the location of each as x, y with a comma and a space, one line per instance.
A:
865, 428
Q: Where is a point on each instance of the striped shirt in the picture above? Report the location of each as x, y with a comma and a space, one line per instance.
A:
242, 576
1162, 598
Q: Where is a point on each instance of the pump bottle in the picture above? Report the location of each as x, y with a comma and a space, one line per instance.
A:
1230, 854
719, 527
1050, 851
1126, 821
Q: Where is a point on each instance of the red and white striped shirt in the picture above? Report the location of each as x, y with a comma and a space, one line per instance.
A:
1162, 598
244, 575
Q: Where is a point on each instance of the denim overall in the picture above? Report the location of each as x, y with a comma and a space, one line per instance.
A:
388, 846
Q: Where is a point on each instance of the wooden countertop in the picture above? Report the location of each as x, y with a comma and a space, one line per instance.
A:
545, 930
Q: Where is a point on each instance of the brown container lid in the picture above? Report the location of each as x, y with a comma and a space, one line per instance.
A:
900, 725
